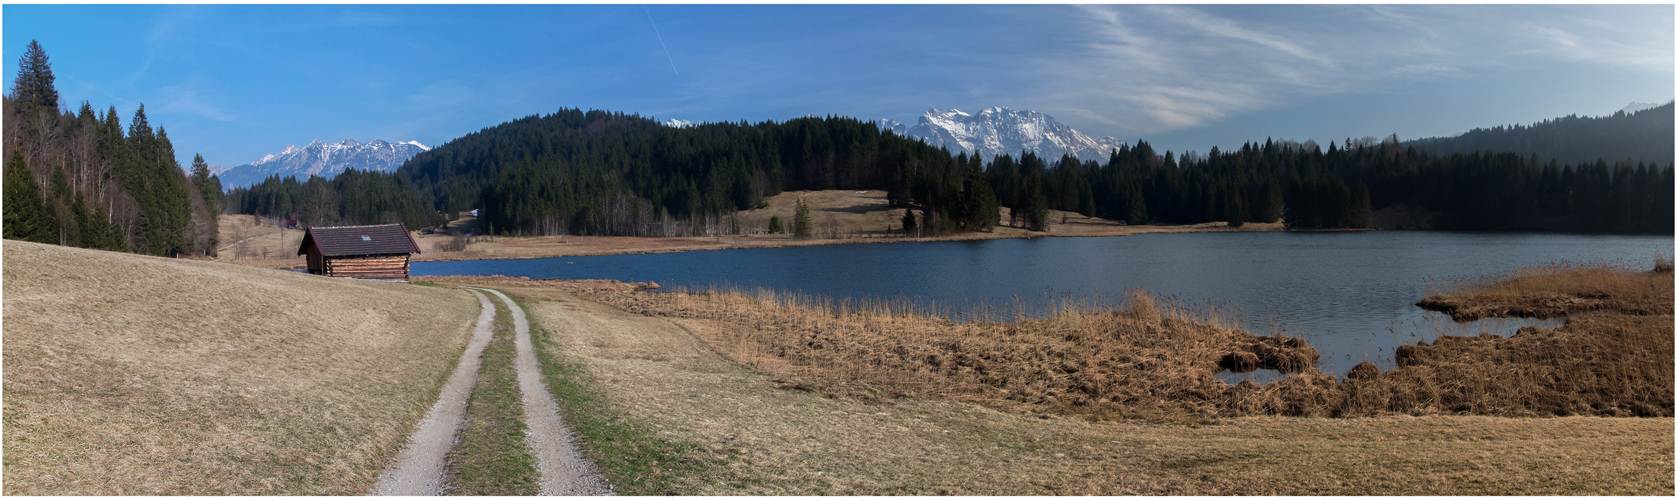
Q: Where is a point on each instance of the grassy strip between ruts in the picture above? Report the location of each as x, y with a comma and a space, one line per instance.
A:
633, 459
489, 457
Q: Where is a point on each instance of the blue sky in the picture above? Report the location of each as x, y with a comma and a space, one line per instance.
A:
235, 82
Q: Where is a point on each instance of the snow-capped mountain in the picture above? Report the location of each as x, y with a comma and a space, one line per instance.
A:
1638, 106
1001, 130
678, 123
323, 159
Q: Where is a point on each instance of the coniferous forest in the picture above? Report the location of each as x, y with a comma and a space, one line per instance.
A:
1641, 136
83, 179
607, 173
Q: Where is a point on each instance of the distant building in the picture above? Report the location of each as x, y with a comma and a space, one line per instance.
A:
289, 224
362, 252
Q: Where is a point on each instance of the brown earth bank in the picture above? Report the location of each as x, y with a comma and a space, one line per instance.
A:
757, 420
1155, 362
136, 375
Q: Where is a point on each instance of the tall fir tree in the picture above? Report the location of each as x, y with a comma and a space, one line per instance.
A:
26, 216
34, 83
803, 226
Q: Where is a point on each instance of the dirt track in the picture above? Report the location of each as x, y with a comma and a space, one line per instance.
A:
419, 469
563, 470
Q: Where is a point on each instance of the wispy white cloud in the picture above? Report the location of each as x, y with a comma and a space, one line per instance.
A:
185, 99
1217, 26
1150, 69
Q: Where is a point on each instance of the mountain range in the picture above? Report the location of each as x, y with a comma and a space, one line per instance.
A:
325, 159
1001, 130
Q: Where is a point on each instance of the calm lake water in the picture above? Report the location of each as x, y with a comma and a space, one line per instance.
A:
1350, 294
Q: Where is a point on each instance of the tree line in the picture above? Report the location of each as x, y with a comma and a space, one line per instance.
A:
1644, 136
599, 172
82, 179
351, 198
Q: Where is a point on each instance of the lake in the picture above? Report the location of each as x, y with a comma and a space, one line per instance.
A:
1350, 294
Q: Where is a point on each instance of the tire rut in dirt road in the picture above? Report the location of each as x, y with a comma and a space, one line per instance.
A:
419, 468
563, 470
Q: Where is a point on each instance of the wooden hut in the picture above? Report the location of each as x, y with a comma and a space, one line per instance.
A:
363, 252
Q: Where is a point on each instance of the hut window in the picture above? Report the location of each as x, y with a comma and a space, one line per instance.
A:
366, 238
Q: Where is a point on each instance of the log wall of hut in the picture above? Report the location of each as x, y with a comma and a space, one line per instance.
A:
369, 267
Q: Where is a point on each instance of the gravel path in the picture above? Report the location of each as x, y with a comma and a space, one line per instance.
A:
563, 470
419, 469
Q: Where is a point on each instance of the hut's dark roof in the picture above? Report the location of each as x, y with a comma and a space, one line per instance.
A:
359, 240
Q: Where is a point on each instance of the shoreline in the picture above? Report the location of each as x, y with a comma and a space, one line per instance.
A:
540, 247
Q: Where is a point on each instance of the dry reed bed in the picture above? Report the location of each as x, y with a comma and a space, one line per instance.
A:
1616, 360
1150, 361
134, 375
1555, 290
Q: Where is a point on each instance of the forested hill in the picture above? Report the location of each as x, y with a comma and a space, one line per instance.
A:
599, 172
1645, 136
606, 172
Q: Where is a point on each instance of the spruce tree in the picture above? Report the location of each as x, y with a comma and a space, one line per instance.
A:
26, 217
775, 226
34, 83
802, 225
1136, 213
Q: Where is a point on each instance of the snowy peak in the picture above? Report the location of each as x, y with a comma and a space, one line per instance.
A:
325, 159
893, 125
1633, 107
1000, 130
674, 123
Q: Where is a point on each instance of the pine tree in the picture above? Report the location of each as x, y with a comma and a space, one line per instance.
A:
775, 226
908, 222
1034, 205
802, 225
34, 83
26, 217
208, 185
1136, 213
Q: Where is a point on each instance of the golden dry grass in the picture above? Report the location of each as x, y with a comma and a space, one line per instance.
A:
1613, 356
765, 434
1159, 362
1555, 290
251, 241
135, 375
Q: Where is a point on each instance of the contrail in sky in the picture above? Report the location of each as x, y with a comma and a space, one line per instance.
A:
661, 40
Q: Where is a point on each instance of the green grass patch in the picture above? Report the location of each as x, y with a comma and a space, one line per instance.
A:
635, 460
490, 458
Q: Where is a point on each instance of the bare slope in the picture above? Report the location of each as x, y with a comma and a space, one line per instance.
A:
130, 375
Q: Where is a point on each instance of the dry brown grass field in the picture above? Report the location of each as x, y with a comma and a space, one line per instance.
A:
136, 375
777, 419
840, 217
252, 241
